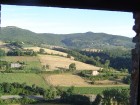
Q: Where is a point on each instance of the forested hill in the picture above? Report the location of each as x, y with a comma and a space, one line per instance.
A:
12, 33
77, 40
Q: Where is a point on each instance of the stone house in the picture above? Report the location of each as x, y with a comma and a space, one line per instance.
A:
95, 72
15, 65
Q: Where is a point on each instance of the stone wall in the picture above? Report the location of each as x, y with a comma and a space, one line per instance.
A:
0, 15
135, 61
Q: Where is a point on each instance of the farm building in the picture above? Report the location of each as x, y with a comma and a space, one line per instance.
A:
95, 72
15, 65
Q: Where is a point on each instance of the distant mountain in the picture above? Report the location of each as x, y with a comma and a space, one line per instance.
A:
77, 40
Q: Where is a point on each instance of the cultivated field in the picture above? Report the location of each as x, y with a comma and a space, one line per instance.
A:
56, 62
65, 80
74, 80
27, 78
49, 51
21, 58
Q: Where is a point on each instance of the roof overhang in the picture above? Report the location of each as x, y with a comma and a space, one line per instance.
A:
112, 5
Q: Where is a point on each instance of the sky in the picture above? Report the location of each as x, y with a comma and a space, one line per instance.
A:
65, 20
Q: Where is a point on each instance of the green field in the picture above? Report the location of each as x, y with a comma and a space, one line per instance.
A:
32, 78
21, 58
94, 90
28, 78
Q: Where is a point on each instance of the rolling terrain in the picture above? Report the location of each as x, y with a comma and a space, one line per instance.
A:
47, 70
57, 62
76, 40
68, 80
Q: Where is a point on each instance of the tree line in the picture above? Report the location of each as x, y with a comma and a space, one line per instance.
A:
119, 59
17, 52
108, 96
113, 97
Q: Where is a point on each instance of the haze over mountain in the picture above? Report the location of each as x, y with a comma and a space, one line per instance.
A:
76, 40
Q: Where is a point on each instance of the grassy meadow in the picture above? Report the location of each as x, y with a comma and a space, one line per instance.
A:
28, 78
96, 89
30, 61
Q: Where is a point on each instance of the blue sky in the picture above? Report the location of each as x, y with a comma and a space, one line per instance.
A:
64, 21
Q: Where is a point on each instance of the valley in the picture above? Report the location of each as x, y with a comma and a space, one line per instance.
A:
41, 67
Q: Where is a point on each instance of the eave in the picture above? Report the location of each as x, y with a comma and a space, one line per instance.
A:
112, 5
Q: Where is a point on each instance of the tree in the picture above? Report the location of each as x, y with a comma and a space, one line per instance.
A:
107, 96
59, 90
50, 93
71, 90
97, 100
2, 53
7, 87
119, 96
66, 95
41, 51
124, 70
47, 66
127, 79
4, 65
97, 58
72, 67
68, 56
44, 67
107, 63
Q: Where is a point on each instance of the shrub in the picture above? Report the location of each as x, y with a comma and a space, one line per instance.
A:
72, 67
127, 79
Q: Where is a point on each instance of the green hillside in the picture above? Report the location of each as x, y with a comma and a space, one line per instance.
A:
77, 40
97, 40
12, 33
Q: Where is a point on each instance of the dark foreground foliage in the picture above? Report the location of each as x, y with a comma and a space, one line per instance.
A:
113, 96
